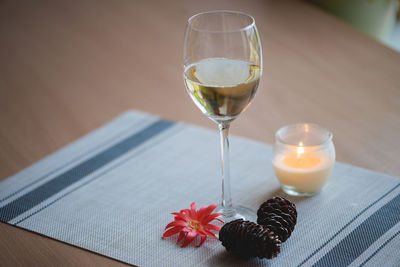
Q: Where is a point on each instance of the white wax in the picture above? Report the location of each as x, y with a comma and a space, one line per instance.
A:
304, 179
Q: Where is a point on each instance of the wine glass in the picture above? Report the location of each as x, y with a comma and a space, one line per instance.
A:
222, 62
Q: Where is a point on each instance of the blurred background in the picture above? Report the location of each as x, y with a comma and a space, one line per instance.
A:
376, 18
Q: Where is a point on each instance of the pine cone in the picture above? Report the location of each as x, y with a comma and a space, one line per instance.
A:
246, 239
279, 215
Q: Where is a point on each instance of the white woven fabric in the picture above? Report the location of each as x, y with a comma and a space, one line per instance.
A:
120, 209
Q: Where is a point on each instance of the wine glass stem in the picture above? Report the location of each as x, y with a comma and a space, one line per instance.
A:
226, 181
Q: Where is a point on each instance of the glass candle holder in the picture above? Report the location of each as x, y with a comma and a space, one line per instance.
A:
303, 158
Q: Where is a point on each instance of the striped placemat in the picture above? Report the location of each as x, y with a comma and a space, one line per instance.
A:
112, 192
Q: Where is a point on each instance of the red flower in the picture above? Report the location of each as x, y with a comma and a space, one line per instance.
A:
193, 222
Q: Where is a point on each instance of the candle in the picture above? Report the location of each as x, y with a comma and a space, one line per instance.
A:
304, 168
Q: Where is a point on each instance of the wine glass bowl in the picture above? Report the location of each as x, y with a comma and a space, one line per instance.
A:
222, 88
222, 61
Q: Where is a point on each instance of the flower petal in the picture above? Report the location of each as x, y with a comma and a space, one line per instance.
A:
209, 218
175, 223
203, 238
193, 211
181, 235
186, 215
212, 227
182, 217
202, 213
219, 220
205, 211
184, 211
172, 231
209, 233
189, 238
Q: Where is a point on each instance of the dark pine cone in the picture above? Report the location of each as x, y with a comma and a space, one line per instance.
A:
246, 239
279, 215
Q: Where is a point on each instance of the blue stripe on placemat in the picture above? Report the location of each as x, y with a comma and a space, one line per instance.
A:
347, 224
354, 244
64, 165
52, 187
379, 248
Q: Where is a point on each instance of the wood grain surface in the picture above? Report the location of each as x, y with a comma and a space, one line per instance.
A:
67, 67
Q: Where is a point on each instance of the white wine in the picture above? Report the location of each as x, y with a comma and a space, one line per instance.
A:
222, 88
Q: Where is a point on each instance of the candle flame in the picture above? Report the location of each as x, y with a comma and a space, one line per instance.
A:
300, 149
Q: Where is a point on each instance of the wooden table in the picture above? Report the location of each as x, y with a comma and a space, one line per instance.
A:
67, 67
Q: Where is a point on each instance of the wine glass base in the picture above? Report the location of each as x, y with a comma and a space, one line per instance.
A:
237, 212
